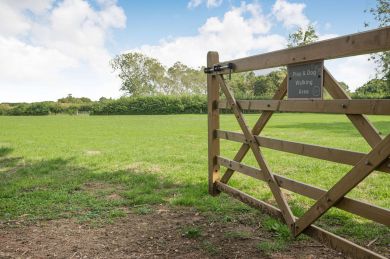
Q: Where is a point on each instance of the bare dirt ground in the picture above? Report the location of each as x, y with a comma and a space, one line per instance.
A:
158, 234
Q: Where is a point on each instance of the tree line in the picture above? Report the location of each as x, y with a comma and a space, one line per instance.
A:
146, 76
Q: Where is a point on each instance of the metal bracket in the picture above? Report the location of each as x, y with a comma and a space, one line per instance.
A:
219, 68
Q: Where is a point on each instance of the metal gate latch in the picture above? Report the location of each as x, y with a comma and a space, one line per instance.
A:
219, 68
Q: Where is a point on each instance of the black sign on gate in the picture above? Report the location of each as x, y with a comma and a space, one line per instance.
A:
305, 81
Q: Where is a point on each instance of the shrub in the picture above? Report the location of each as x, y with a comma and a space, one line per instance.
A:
4, 109
160, 104
37, 109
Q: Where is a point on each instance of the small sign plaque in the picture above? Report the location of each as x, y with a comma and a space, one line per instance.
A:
305, 81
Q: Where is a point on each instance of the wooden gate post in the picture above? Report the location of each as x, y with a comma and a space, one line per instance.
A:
213, 123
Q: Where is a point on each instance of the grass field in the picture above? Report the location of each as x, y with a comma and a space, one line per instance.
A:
91, 167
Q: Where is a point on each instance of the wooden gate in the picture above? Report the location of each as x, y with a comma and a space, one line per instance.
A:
363, 164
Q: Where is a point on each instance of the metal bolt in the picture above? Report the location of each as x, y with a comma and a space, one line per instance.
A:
344, 105
367, 162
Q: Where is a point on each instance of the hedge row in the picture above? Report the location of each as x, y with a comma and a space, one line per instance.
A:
43, 108
163, 104
126, 105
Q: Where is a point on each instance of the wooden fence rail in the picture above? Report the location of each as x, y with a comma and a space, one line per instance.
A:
325, 153
345, 46
369, 107
378, 159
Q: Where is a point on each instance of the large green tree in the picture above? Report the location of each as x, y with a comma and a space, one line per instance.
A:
182, 79
302, 36
381, 13
242, 83
140, 75
375, 88
266, 85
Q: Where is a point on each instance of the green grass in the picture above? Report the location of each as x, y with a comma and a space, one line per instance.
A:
192, 232
238, 234
272, 246
210, 248
143, 210
91, 168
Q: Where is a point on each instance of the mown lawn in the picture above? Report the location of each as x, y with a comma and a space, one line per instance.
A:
92, 167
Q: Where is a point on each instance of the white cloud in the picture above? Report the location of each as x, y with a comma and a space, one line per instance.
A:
241, 31
355, 71
25, 62
290, 14
209, 3
213, 3
194, 3
46, 46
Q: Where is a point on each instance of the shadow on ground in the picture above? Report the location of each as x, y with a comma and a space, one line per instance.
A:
5, 151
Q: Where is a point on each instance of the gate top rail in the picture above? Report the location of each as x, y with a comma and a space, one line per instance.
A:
345, 46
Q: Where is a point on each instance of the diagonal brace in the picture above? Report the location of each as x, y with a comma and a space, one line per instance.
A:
259, 126
357, 174
360, 121
254, 145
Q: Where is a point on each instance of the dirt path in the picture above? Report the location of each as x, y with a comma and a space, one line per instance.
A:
163, 233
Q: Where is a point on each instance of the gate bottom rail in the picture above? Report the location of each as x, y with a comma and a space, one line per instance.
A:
335, 242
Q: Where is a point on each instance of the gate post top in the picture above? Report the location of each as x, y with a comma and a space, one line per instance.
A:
212, 58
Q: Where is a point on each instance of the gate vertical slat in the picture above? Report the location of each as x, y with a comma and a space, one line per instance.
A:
213, 124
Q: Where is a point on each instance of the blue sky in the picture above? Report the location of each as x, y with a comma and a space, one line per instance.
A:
150, 21
50, 48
